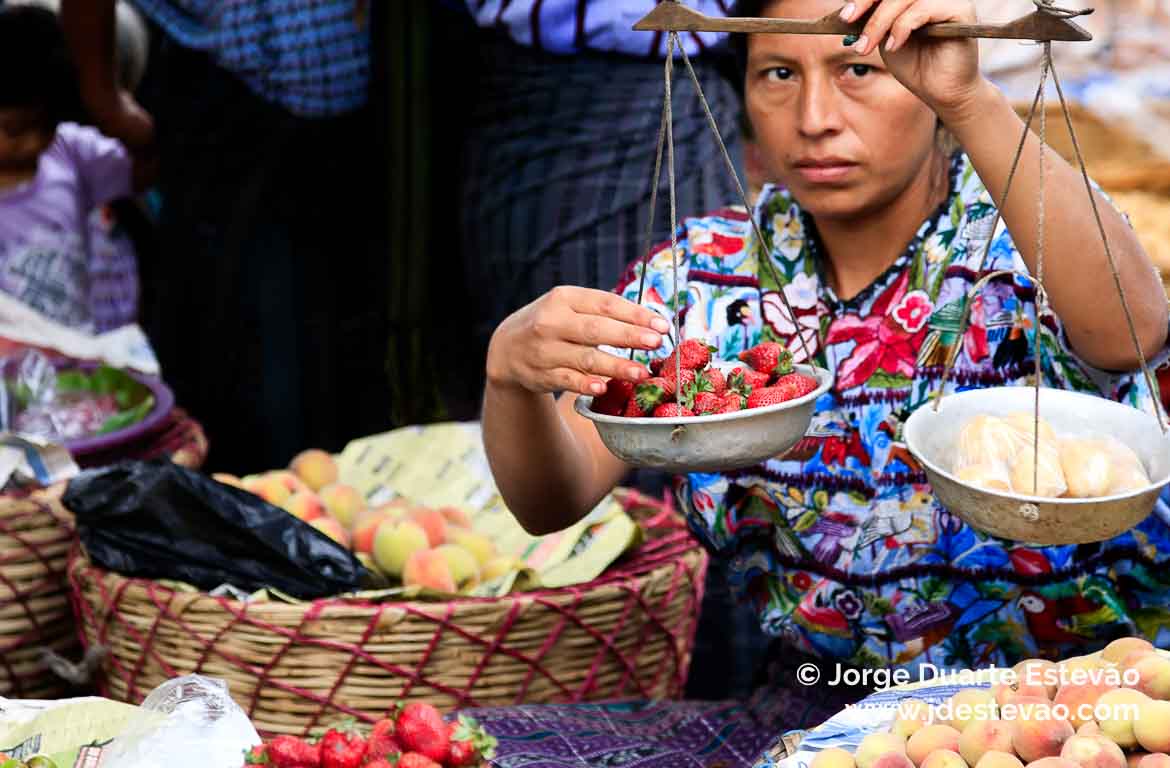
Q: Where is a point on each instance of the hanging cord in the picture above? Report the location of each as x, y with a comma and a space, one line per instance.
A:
1041, 299
647, 241
673, 218
1129, 321
765, 256
1050, 8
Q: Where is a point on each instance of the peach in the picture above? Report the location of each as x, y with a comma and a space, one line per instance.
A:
1116, 712
1152, 728
1051, 762
892, 760
912, 716
1156, 760
985, 736
1080, 700
464, 568
428, 568
433, 522
315, 467
456, 516
304, 505
1123, 646
1089, 729
364, 531
343, 502
288, 480
1093, 752
395, 542
1007, 692
498, 566
228, 479
929, 738
1038, 673
1036, 733
971, 705
875, 745
270, 489
832, 757
332, 529
1153, 677
944, 758
1134, 656
998, 759
1135, 758
476, 543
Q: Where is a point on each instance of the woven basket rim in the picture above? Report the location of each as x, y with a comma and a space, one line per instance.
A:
664, 549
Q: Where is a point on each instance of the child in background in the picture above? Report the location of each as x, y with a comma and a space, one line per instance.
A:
53, 175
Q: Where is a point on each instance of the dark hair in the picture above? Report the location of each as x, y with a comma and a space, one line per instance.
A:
36, 70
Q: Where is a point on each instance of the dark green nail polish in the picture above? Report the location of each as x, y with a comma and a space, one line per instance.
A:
849, 40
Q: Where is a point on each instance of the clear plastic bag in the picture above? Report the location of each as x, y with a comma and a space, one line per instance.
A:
187, 722
999, 453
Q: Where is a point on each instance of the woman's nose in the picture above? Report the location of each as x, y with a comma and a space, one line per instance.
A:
819, 113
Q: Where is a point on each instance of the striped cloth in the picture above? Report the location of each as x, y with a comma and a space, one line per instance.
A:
311, 57
573, 26
556, 186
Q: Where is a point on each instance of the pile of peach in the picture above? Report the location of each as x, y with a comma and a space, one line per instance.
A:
1105, 710
414, 545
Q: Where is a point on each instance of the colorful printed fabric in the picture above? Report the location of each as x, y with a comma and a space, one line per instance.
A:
312, 57
840, 546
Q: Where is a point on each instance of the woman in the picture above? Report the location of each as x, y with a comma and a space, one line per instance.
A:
878, 233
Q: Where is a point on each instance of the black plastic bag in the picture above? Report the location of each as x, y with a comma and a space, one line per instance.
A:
158, 520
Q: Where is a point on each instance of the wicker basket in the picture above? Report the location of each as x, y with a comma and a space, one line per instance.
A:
295, 667
35, 537
36, 533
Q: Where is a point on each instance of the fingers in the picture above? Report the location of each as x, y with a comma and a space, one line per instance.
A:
596, 331
590, 361
919, 15
879, 24
895, 20
590, 301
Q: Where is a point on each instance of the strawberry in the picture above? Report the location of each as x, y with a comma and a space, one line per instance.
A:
416, 760
693, 356
257, 755
342, 750
617, 394
469, 743
672, 410
651, 393
706, 402
767, 396
731, 402
633, 410
715, 379
421, 729
379, 763
796, 385
382, 743
688, 378
768, 357
744, 380
291, 752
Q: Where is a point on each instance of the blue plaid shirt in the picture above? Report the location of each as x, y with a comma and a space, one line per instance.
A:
310, 56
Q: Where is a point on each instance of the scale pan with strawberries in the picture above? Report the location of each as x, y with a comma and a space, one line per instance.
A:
713, 443
746, 438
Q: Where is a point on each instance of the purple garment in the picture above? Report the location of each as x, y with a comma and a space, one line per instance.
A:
56, 254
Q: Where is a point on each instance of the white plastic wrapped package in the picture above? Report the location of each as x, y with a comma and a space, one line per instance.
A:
187, 722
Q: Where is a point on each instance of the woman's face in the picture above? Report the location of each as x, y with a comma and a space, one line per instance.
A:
834, 127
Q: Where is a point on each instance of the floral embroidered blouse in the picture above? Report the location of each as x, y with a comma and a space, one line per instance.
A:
840, 545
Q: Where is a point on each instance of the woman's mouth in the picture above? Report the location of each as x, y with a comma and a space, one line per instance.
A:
824, 170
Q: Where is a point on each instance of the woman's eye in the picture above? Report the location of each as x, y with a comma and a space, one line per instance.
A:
860, 70
779, 73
